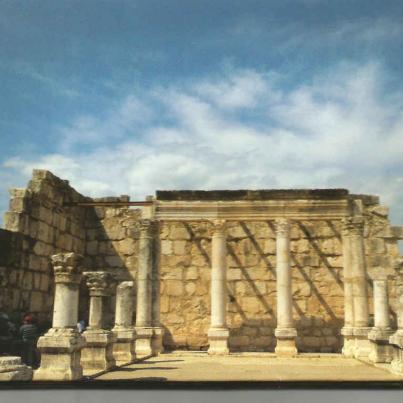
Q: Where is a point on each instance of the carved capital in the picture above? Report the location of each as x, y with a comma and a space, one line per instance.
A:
125, 285
98, 283
148, 228
282, 226
219, 227
352, 226
67, 267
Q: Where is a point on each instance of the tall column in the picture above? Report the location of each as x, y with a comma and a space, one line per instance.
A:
218, 333
61, 346
124, 347
144, 328
158, 331
381, 350
359, 281
97, 355
397, 338
285, 331
348, 330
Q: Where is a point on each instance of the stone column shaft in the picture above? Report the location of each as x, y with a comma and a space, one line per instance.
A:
144, 329
285, 331
96, 309
124, 348
218, 332
65, 311
381, 304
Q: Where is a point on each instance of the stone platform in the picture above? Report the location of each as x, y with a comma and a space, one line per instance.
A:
199, 366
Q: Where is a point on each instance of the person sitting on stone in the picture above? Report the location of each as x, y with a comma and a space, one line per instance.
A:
29, 335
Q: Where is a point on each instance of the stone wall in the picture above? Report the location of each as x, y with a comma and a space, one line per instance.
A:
37, 225
112, 235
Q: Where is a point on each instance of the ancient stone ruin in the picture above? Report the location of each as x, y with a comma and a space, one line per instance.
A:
284, 271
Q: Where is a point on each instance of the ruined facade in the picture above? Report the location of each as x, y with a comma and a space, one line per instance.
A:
210, 266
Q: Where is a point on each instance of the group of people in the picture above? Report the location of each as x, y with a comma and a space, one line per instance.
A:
22, 339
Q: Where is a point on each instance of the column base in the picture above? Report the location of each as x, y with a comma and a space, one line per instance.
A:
97, 355
396, 340
12, 369
60, 355
381, 350
124, 346
362, 346
156, 341
144, 345
348, 341
286, 342
218, 339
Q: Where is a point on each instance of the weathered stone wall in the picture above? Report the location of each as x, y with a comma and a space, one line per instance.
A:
112, 244
317, 280
37, 225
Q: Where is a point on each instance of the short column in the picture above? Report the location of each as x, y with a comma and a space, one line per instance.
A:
124, 347
348, 329
381, 350
144, 329
218, 333
61, 346
97, 355
285, 332
397, 338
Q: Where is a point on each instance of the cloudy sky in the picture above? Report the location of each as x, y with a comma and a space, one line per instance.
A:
126, 97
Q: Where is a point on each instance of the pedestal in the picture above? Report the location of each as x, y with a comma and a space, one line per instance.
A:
97, 355
396, 341
124, 346
362, 346
349, 341
156, 341
286, 345
12, 369
144, 347
60, 355
380, 349
218, 339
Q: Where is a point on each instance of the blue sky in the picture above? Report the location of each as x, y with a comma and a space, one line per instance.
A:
126, 97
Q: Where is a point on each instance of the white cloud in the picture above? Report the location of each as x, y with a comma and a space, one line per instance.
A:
341, 130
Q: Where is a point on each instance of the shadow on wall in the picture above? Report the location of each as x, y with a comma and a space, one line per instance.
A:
317, 289
111, 245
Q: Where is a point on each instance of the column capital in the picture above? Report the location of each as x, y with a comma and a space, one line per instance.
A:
67, 267
352, 226
148, 228
282, 226
124, 285
98, 283
219, 226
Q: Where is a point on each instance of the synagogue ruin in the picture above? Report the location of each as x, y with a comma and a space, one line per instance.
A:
282, 271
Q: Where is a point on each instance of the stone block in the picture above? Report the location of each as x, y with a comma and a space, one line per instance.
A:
179, 247
12, 369
126, 246
191, 273
178, 232
92, 248
166, 247
173, 287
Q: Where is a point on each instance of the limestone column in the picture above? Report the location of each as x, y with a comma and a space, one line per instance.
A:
97, 355
381, 350
144, 328
124, 347
218, 333
348, 330
360, 294
158, 331
61, 346
285, 332
397, 338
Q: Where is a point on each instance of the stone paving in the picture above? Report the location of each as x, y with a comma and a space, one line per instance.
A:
198, 366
